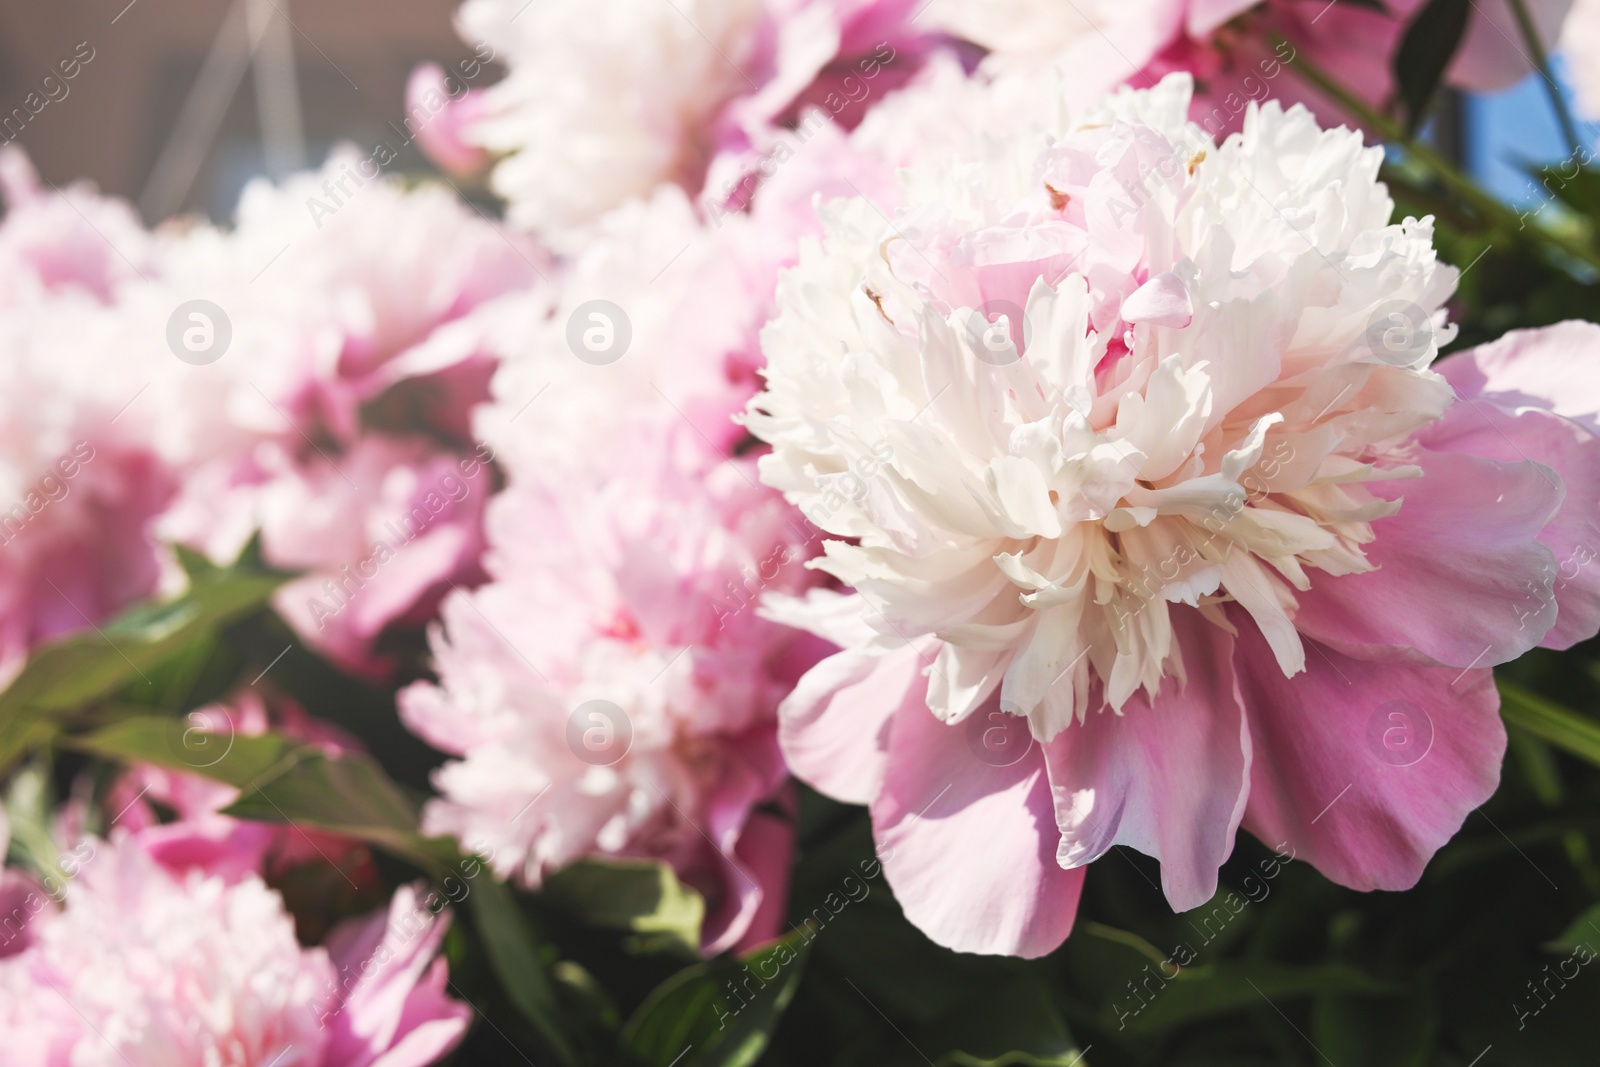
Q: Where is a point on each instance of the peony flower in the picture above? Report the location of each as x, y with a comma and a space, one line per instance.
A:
80, 483
144, 966
381, 533
626, 556
441, 111
604, 105
1156, 519
611, 691
57, 242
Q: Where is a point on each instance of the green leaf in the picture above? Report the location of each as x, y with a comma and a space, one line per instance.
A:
1003, 1023
347, 795
1425, 52
1546, 719
523, 973
186, 744
720, 1013
1376, 1032
1584, 930
1219, 989
70, 674
1574, 185
640, 896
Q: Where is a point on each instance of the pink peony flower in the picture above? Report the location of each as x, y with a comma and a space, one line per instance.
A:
604, 105
54, 242
79, 483
1157, 521
440, 110
143, 966
612, 691
357, 313
381, 532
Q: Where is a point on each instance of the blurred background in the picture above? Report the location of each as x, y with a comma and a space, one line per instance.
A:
183, 101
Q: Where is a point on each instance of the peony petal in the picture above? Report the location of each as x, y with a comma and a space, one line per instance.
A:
834, 726
968, 847
1366, 769
1483, 427
1168, 777
1553, 368
1461, 578
1162, 301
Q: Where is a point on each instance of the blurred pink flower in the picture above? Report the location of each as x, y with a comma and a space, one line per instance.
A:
440, 110
381, 532
603, 105
612, 691
151, 968
1157, 521
79, 484
627, 556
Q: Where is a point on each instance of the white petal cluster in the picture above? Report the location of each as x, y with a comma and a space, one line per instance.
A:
603, 102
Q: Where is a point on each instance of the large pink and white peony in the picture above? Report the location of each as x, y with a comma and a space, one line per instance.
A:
1156, 518
144, 966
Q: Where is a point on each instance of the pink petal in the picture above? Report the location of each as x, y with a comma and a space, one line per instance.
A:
969, 848
1557, 368
1162, 301
1168, 778
1492, 55
1461, 577
442, 122
1483, 427
834, 726
1365, 769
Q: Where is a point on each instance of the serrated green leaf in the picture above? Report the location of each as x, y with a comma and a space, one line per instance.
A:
635, 895
720, 1013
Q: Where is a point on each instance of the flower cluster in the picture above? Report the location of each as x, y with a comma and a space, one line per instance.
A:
1003, 417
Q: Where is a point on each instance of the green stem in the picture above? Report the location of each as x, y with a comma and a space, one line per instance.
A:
1458, 183
1541, 63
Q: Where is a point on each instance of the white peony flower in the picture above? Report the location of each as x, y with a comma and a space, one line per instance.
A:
1079, 380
